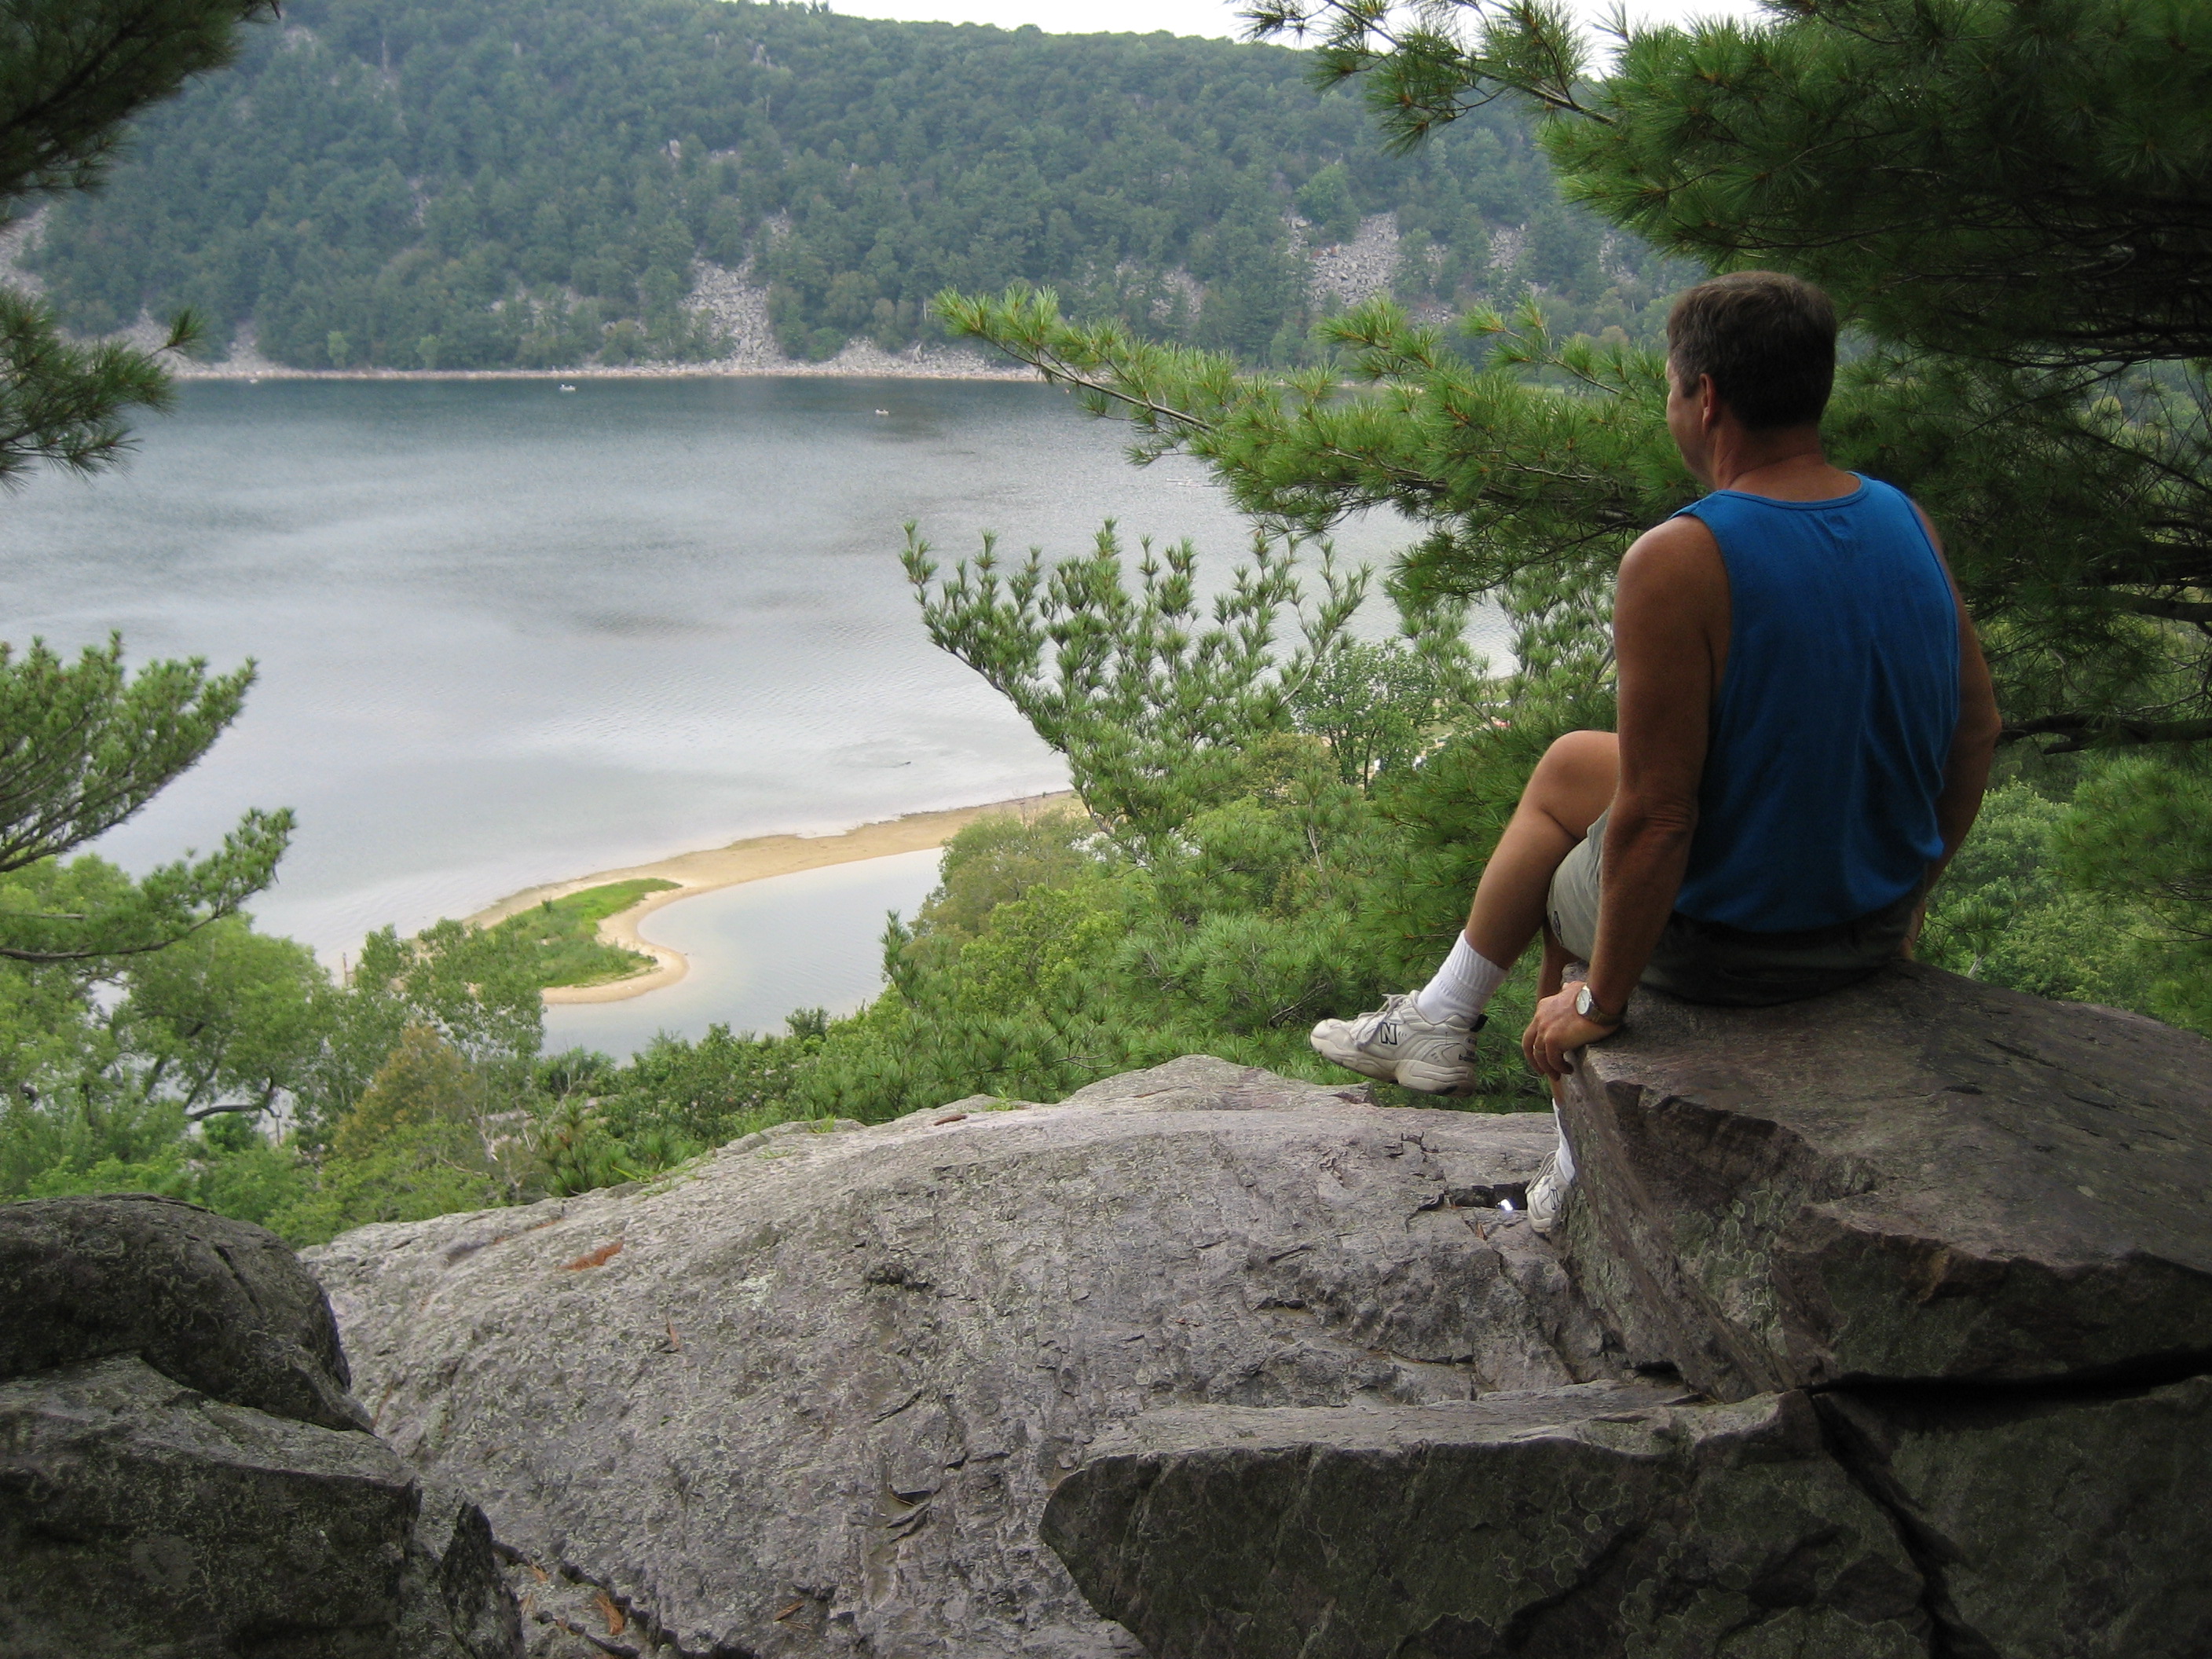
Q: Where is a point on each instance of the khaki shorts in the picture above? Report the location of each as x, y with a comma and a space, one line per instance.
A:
1707, 961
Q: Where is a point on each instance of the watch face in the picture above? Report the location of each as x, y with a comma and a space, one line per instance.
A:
1585, 1004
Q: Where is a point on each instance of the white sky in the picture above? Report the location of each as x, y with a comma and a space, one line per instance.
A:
1216, 17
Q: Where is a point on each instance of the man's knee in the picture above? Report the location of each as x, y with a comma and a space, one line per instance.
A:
1584, 750
1579, 763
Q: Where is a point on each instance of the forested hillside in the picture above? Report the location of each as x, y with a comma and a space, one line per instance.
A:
484, 182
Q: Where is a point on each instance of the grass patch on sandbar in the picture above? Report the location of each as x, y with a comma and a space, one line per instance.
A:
561, 935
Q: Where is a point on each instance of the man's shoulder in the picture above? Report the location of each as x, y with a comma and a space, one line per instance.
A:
1672, 585
1678, 551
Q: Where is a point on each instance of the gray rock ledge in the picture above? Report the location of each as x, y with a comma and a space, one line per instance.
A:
1941, 1253
810, 1395
1921, 1178
140, 1518
182, 1475
220, 1305
1575, 1523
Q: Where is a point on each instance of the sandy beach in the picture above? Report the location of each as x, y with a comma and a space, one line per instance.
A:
741, 862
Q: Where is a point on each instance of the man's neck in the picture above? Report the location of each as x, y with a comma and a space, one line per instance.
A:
1787, 466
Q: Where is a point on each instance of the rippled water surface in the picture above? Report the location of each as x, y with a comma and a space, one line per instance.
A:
509, 635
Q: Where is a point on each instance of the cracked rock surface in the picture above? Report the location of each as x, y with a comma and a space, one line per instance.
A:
1920, 1178
140, 1517
811, 1396
220, 1305
2057, 1525
1939, 1259
1575, 1523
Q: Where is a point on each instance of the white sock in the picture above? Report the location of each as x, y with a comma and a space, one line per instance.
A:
1462, 986
1566, 1154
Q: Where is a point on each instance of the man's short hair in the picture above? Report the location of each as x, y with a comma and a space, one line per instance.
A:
1767, 339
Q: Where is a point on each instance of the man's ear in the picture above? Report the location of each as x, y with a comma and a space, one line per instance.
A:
1710, 406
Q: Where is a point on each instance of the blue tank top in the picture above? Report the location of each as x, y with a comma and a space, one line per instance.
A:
1836, 711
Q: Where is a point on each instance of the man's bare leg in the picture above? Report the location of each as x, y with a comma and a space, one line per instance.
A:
1571, 786
1421, 1039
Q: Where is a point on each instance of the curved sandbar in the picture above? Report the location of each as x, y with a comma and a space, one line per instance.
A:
762, 856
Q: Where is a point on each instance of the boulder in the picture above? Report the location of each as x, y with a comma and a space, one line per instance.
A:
217, 1305
1938, 1260
1601, 1521
2051, 1525
142, 1518
182, 1475
454, 1602
812, 1392
1571, 1523
1919, 1179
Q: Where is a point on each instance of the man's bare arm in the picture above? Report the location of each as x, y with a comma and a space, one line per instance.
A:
1670, 640
1670, 635
1974, 742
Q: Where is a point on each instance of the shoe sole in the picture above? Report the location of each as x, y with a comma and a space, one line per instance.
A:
1353, 1060
1457, 1081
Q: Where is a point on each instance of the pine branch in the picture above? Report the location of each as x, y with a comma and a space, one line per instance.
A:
2078, 731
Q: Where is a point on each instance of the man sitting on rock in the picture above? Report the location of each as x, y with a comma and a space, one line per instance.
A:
1806, 727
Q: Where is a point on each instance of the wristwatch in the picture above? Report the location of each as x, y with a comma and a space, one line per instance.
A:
1586, 1006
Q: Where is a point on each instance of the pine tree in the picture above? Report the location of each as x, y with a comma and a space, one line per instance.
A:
2012, 202
84, 746
2011, 199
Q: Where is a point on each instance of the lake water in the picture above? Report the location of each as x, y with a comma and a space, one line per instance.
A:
509, 635
758, 951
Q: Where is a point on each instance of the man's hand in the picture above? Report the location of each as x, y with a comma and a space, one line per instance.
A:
1558, 1028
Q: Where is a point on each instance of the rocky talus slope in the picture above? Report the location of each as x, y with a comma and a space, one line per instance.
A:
1932, 1263
182, 1473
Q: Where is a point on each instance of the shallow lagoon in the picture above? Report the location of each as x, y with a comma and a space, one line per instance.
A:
758, 951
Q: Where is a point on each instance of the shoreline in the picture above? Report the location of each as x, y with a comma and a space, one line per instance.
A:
754, 859
793, 370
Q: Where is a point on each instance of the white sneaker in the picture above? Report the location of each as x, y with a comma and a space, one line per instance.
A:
1399, 1044
1548, 1193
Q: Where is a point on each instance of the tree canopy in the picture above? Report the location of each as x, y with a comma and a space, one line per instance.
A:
2063, 454
71, 71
